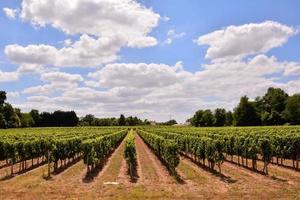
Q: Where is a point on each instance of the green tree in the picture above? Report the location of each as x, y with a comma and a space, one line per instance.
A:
272, 105
2, 97
122, 120
89, 120
208, 118
292, 110
26, 120
245, 113
196, 119
3, 123
229, 118
220, 117
35, 115
11, 117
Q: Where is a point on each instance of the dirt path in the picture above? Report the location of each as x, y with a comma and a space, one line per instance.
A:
5, 170
152, 169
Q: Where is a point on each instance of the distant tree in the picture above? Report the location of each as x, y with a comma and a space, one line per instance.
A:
292, 110
122, 120
272, 105
36, 117
196, 120
3, 123
26, 120
88, 120
11, 118
220, 117
207, 118
245, 113
2, 97
46, 119
229, 118
170, 122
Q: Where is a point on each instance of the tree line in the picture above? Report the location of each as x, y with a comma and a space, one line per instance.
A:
11, 117
91, 120
276, 107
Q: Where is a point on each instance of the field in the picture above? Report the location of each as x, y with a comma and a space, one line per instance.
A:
165, 163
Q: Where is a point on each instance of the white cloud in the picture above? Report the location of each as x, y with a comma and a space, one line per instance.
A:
12, 95
85, 52
105, 27
30, 68
10, 13
8, 76
172, 35
292, 69
105, 18
247, 39
61, 77
67, 42
138, 75
49, 89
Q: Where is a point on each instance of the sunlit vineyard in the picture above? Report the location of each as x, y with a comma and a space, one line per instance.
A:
124, 155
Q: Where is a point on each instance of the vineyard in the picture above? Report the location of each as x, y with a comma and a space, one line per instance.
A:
150, 162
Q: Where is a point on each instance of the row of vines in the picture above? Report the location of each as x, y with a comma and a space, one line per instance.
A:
211, 146
54, 145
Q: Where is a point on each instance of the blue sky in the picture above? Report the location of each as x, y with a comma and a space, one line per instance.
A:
165, 59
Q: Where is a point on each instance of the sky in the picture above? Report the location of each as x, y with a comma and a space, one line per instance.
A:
152, 59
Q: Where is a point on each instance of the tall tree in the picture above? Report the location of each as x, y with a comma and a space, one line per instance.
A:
11, 118
273, 104
220, 117
208, 118
292, 109
122, 120
229, 118
196, 119
245, 113
2, 97
36, 117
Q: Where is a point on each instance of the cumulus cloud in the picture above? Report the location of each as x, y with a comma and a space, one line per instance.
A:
138, 75
61, 77
10, 13
30, 68
12, 95
51, 88
85, 52
105, 27
56, 82
106, 18
8, 76
244, 40
172, 35
292, 69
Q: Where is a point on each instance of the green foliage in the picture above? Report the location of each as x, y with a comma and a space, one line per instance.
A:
122, 120
203, 118
273, 104
220, 117
2, 97
61, 143
229, 118
130, 152
292, 109
97, 149
165, 149
245, 113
